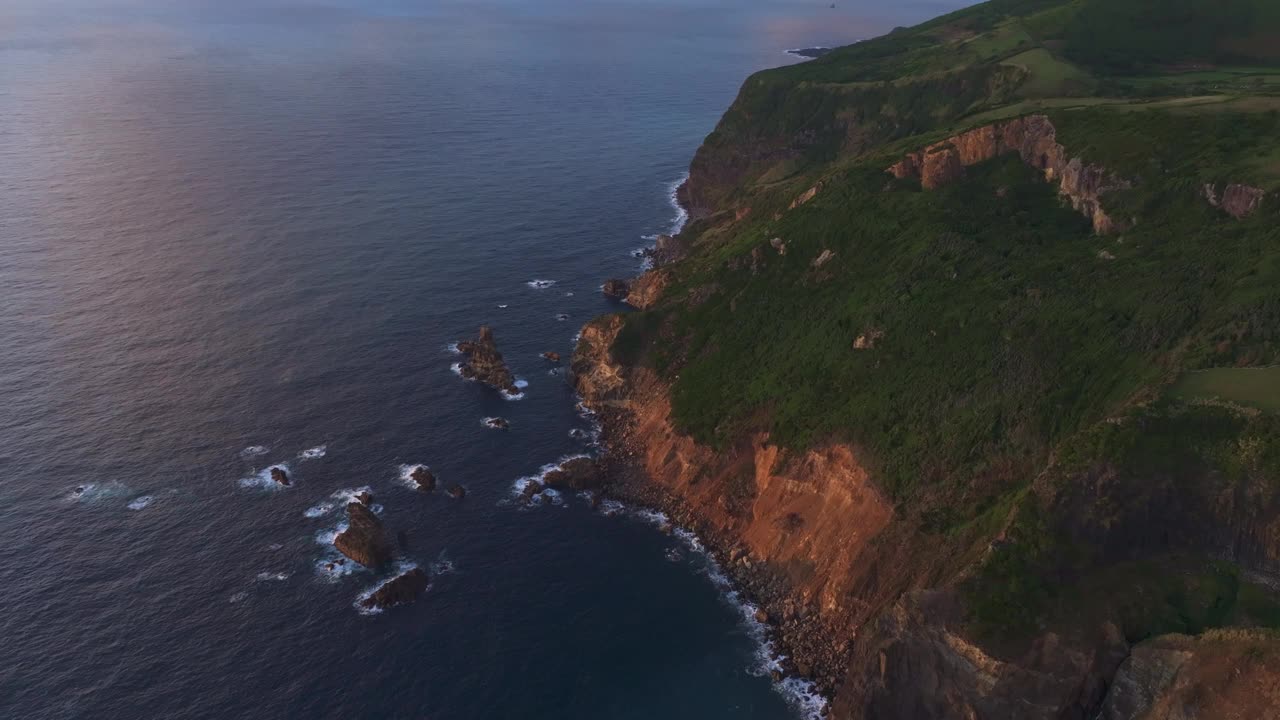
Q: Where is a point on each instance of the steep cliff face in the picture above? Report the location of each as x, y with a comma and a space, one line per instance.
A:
1221, 674
915, 665
1238, 201
1034, 139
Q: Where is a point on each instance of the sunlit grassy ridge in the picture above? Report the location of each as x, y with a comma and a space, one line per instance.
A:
964, 340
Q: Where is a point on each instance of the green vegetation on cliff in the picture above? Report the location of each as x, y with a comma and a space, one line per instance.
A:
1010, 377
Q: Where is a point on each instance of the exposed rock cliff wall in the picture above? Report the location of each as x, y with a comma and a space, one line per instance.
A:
1034, 139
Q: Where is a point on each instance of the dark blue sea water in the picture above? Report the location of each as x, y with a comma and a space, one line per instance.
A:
240, 233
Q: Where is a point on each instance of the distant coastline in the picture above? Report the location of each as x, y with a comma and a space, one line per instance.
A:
810, 52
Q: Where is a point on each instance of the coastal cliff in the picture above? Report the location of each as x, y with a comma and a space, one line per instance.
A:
959, 369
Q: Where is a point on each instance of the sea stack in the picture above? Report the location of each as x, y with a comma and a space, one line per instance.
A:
365, 539
485, 363
425, 479
403, 588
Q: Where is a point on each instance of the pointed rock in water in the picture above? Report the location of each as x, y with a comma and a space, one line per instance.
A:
457, 492
533, 488
424, 478
403, 588
485, 363
279, 475
365, 539
552, 357
616, 289
576, 474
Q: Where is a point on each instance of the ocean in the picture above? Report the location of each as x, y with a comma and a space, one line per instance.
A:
240, 234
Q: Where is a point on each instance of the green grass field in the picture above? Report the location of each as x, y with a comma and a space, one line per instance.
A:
1252, 387
1049, 76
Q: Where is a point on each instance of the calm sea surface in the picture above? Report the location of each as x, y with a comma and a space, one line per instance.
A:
236, 234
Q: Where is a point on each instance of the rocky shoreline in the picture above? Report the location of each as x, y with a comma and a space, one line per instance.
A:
804, 641
808, 646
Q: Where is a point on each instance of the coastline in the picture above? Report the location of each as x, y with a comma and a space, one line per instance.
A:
795, 648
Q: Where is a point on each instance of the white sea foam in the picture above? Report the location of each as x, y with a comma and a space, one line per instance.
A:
540, 284
442, 565
335, 566
254, 451
569, 294
562, 317
339, 499
796, 51
457, 370
140, 502
262, 478
452, 348
679, 219
270, 576
319, 510
556, 371
400, 569
93, 492
406, 475
313, 453
802, 694
238, 597
503, 306
552, 496
275, 546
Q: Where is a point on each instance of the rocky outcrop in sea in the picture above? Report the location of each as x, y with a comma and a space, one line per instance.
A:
485, 364
365, 539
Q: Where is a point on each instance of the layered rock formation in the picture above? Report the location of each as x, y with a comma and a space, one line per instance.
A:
365, 539
1034, 139
403, 588
485, 364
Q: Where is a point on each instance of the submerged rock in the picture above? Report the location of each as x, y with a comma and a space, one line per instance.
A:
497, 423
485, 364
576, 474
404, 588
424, 478
365, 539
457, 492
552, 357
279, 475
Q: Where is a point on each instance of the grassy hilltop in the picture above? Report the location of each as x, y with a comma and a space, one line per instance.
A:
1006, 372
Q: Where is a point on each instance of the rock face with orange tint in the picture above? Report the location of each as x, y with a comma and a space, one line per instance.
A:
1034, 139
802, 524
646, 289
843, 580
